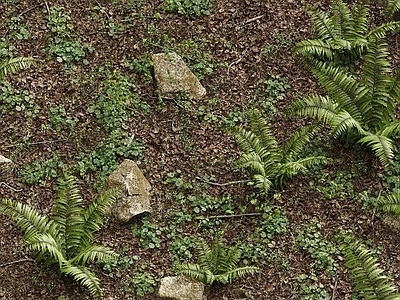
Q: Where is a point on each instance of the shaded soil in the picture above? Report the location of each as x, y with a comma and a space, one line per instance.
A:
179, 139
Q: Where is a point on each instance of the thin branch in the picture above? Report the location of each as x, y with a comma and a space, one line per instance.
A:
10, 187
253, 19
229, 216
223, 184
36, 143
17, 262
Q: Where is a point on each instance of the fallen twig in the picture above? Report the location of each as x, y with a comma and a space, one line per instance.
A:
17, 262
253, 19
222, 184
334, 290
10, 187
229, 216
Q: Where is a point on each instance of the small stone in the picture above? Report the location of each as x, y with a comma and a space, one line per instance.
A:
6, 168
180, 288
173, 76
135, 199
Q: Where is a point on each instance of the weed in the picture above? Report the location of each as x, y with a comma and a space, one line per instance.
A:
175, 179
124, 261
59, 118
113, 106
310, 238
15, 101
41, 171
148, 234
62, 44
338, 187
310, 289
17, 30
104, 159
141, 283
141, 66
193, 8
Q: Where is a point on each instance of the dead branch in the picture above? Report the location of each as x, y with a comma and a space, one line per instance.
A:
10, 187
17, 262
229, 216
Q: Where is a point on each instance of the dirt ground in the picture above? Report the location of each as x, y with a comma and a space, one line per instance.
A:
245, 42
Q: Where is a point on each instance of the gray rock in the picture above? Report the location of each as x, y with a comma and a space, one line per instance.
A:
135, 199
6, 168
173, 76
180, 288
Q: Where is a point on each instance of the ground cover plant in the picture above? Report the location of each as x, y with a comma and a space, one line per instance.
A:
92, 102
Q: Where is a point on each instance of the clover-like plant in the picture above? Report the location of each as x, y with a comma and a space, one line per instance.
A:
271, 165
217, 263
66, 237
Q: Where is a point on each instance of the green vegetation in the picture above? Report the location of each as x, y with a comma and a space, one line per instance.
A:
360, 109
369, 281
273, 166
216, 264
192, 8
65, 238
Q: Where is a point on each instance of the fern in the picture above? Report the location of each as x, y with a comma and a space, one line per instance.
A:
361, 107
368, 278
392, 7
270, 165
216, 264
15, 65
342, 34
66, 237
390, 204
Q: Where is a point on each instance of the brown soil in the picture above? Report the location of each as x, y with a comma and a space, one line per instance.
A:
175, 139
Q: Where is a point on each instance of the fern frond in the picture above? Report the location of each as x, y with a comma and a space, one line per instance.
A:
390, 204
68, 213
392, 7
269, 145
395, 86
84, 277
322, 23
15, 65
217, 253
317, 47
194, 271
320, 107
380, 31
359, 25
382, 146
292, 168
341, 18
239, 272
28, 220
204, 253
296, 143
344, 122
94, 253
93, 216
253, 162
377, 105
368, 278
230, 259
341, 87
262, 182
45, 244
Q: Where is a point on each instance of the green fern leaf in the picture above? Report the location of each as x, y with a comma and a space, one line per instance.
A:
68, 213
296, 143
45, 244
317, 47
320, 107
344, 122
194, 271
380, 31
15, 65
369, 281
94, 253
28, 220
240, 272
390, 204
382, 146
322, 23
84, 277
392, 7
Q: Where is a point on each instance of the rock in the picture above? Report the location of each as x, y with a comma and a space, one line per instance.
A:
173, 76
135, 199
6, 168
180, 288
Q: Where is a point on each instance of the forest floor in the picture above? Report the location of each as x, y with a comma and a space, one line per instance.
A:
92, 102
